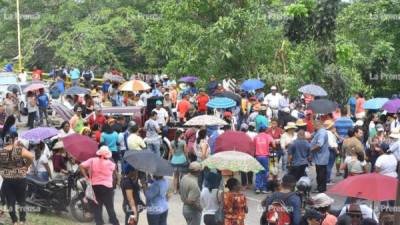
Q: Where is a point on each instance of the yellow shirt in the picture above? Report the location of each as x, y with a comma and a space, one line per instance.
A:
135, 142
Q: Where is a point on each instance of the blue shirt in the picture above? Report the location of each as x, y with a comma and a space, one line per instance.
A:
156, 93
213, 139
260, 119
156, 197
43, 101
321, 156
75, 74
342, 125
110, 140
300, 150
60, 85
352, 104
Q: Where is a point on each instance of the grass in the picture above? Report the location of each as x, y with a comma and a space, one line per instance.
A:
42, 219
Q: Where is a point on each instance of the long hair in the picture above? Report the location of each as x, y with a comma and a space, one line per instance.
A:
10, 121
178, 134
201, 135
63, 125
107, 129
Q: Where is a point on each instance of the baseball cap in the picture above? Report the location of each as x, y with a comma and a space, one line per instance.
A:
158, 102
379, 127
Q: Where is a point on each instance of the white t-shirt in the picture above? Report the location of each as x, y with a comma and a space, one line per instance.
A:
366, 212
39, 164
162, 114
332, 140
387, 165
273, 100
209, 201
354, 165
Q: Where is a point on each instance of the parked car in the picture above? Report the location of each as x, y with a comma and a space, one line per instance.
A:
8, 83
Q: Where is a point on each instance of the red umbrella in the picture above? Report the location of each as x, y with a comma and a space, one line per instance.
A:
80, 147
371, 186
235, 141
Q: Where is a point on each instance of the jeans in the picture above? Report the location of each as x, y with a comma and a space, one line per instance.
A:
31, 119
104, 195
43, 113
247, 178
154, 146
75, 82
157, 219
331, 163
262, 176
298, 171
14, 191
192, 216
321, 177
43, 176
115, 157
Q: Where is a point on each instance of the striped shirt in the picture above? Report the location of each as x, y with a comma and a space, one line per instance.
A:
342, 125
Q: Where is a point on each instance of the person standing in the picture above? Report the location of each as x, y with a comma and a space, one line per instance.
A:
14, 163
272, 100
298, 155
43, 102
153, 130
235, 204
75, 75
97, 118
157, 203
36, 73
287, 139
32, 109
333, 147
134, 141
131, 193
202, 100
211, 199
109, 138
320, 154
162, 117
178, 157
76, 121
190, 195
183, 108
342, 125
101, 178
360, 112
261, 119
262, 142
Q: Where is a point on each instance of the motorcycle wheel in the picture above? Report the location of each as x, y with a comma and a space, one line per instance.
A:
80, 209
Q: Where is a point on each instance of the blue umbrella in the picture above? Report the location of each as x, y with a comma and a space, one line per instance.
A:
375, 103
189, 79
221, 103
313, 89
252, 84
76, 90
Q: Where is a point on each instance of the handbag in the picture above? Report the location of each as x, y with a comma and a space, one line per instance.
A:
219, 214
89, 192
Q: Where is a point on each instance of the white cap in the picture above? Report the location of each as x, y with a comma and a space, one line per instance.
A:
274, 88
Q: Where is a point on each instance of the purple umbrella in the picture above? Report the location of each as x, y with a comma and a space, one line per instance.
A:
189, 79
39, 133
392, 106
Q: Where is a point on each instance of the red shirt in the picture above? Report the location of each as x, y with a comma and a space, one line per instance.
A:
100, 120
275, 133
37, 74
202, 103
262, 142
183, 108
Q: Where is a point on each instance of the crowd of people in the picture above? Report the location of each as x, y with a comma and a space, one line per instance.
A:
290, 141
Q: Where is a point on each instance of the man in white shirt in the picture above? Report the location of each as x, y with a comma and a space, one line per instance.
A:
162, 117
272, 100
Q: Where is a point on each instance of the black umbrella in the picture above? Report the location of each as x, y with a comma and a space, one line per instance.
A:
322, 106
149, 162
76, 90
231, 95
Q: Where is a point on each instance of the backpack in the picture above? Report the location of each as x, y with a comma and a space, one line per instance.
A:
278, 213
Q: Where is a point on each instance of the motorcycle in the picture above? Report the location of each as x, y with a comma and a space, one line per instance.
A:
60, 194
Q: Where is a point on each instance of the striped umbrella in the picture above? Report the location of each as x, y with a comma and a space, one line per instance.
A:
221, 103
134, 85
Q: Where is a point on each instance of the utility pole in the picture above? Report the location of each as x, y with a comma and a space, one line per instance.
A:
19, 39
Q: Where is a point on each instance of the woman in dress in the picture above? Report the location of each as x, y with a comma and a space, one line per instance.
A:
202, 149
235, 204
178, 157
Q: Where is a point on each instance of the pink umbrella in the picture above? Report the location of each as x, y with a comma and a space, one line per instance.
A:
34, 87
80, 147
235, 141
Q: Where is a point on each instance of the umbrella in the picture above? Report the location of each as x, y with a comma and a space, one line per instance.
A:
371, 186
149, 162
235, 140
61, 110
392, 106
113, 77
189, 79
76, 90
34, 87
313, 89
39, 133
375, 103
206, 120
221, 103
233, 161
322, 106
252, 84
231, 95
80, 147
134, 85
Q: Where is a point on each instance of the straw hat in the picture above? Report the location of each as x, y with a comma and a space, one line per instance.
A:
328, 124
395, 133
290, 125
94, 93
322, 200
104, 151
182, 86
195, 166
300, 123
